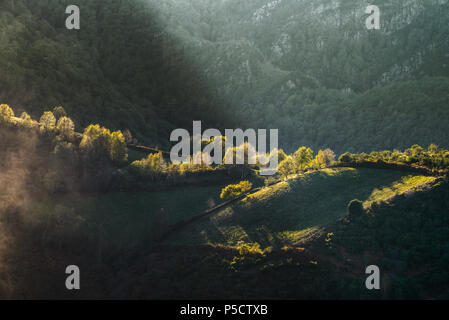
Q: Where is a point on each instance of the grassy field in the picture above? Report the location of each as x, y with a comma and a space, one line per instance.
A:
293, 211
287, 213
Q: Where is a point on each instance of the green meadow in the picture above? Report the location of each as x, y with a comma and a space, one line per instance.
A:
290, 212
293, 211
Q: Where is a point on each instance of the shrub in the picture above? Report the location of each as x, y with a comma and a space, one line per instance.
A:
355, 208
234, 190
346, 157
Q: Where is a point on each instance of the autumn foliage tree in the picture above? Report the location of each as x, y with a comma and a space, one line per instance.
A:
48, 120
6, 113
286, 167
66, 127
59, 112
325, 158
234, 190
119, 151
99, 144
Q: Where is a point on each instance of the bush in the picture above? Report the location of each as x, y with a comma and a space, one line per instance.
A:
234, 190
346, 158
355, 208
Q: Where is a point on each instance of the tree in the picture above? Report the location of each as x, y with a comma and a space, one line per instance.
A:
280, 154
303, 157
245, 154
433, 149
66, 127
355, 208
234, 190
25, 116
414, 151
48, 119
329, 157
96, 143
119, 151
346, 158
286, 167
325, 158
153, 166
59, 112
129, 139
26, 120
6, 113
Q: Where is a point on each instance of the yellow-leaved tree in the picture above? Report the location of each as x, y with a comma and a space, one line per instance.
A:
234, 190
6, 113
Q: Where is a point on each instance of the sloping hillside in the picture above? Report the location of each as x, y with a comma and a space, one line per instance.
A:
122, 69
308, 68
294, 211
405, 235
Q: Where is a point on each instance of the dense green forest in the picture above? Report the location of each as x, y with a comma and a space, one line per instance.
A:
310, 69
122, 69
85, 174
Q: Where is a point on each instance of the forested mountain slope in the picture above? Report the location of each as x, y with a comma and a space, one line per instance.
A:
309, 68
122, 68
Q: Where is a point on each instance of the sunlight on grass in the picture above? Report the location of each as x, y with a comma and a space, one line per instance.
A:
234, 234
291, 212
333, 172
295, 237
268, 192
405, 185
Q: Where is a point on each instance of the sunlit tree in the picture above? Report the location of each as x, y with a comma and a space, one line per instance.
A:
66, 127
25, 116
325, 158
303, 157
119, 151
48, 119
96, 143
59, 112
346, 157
286, 167
6, 113
234, 190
